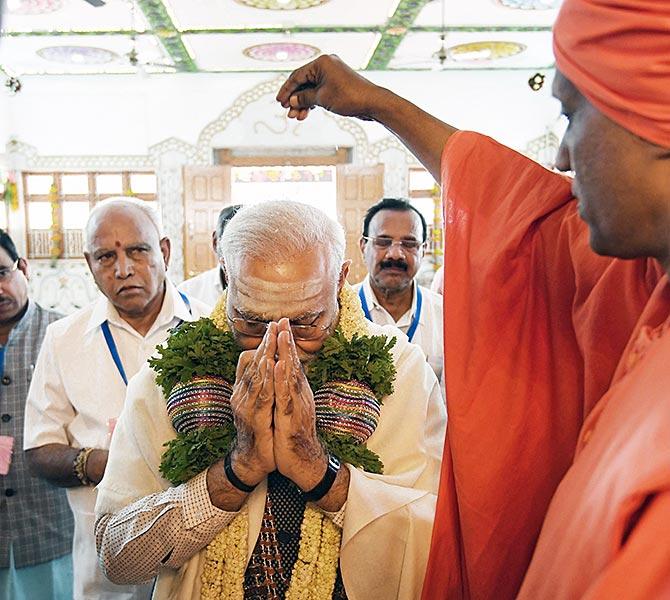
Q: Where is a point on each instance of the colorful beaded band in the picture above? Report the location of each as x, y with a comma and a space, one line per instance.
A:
347, 408
201, 402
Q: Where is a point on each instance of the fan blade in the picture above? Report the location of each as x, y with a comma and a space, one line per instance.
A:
96, 3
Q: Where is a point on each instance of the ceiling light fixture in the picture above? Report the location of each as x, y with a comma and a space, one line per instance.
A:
281, 52
530, 4
77, 55
484, 51
282, 4
33, 7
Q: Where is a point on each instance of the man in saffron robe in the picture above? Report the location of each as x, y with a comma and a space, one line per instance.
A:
556, 472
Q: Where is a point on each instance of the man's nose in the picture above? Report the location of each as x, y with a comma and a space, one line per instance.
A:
562, 162
124, 267
395, 251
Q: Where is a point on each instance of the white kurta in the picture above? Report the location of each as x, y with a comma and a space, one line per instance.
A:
206, 287
387, 518
76, 395
429, 334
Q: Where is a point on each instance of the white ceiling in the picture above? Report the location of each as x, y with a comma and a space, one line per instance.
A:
208, 14
211, 35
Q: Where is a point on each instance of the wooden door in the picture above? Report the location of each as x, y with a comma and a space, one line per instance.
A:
358, 188
206, 192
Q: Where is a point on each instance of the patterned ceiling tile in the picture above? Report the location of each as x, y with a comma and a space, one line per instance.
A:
226, 52
475, 50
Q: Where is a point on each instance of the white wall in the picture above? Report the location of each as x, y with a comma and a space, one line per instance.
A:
125, 115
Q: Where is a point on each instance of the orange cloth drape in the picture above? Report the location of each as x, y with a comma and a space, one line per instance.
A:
618, 56
534, 326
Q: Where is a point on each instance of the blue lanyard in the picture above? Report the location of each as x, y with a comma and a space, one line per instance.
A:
111, 344
415, 319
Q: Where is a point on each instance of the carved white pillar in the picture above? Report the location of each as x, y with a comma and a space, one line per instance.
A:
170, 198
396, 183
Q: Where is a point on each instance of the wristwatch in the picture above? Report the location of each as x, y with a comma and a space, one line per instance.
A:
323, 487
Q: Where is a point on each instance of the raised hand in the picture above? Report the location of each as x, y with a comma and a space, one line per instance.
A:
252, 403
329, 83
297, 450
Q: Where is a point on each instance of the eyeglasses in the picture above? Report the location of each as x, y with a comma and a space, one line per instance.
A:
383, 243
252, 328
6, 272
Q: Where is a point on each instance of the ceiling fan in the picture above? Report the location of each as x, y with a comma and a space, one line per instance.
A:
434, 61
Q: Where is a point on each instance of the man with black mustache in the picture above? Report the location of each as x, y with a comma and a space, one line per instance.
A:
393, 243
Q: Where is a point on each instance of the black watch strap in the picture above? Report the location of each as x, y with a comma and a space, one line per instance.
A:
233, 479
323, 487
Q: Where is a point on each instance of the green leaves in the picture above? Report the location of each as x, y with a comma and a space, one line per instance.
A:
348, 450
199, 348
366, 359
191, 453
195, 349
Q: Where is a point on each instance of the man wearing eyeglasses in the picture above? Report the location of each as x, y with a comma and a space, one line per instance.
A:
35, 519
286, 298
393, 243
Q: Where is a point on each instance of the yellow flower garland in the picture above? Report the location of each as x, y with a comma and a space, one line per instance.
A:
315, 570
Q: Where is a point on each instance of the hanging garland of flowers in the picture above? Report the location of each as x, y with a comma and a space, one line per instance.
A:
10, 192
349, 377
56, 236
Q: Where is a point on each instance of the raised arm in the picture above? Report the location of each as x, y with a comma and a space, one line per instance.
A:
331, 84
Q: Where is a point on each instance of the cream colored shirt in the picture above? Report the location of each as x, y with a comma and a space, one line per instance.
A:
428, 335
206, 286
386, 522
75, 397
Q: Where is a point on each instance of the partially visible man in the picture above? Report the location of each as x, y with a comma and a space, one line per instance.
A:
81, 375
277, 511
393, 243
208, 286
558, 343
35, 519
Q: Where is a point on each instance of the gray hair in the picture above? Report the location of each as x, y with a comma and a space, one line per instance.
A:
111, 203
279, 230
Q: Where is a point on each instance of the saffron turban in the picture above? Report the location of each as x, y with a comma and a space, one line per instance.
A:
617, 54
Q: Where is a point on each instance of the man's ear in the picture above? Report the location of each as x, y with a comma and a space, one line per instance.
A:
165, 251
24, 267
214, 244
222, 264
361, 245
87, 256
344, 271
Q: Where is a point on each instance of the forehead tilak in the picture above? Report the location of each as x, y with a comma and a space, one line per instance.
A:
262, 297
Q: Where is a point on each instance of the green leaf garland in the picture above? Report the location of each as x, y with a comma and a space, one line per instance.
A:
199, 348
195, 348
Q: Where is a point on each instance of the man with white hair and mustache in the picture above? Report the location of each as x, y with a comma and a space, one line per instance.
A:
86, 361
302, 440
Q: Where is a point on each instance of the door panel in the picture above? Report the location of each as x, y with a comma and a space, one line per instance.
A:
358, 188
206, 192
